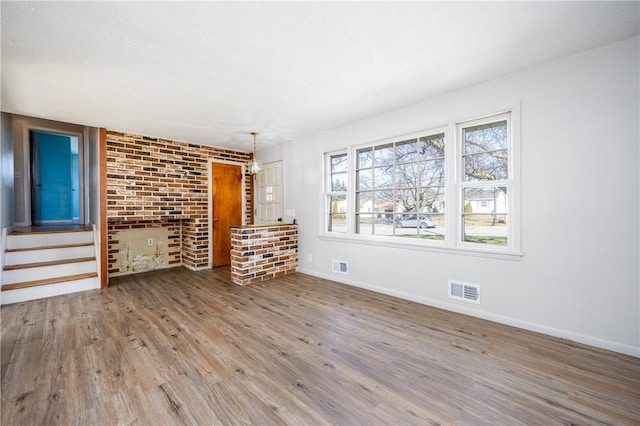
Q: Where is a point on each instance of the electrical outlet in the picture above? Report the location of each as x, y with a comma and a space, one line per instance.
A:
309, 258
150, 242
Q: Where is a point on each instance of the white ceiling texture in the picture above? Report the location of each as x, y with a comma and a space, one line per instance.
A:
211, 72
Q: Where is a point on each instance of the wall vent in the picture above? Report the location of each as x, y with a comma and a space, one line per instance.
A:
464, 291
340, 266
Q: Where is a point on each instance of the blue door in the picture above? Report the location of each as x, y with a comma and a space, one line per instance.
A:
55, 178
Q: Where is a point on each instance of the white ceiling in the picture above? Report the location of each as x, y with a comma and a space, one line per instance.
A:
211, 72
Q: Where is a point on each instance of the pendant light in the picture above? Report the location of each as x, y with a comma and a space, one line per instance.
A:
254, 166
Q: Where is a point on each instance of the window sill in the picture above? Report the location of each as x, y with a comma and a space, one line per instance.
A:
409, 245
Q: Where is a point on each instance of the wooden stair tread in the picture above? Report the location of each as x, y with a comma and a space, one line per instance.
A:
47, 281
49, 263
58, 246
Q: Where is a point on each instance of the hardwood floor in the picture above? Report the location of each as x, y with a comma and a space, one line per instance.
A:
183, 347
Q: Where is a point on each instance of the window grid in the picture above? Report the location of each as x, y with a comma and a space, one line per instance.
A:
395, 195
400, 188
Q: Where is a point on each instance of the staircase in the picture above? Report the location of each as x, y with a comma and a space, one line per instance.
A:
43, 264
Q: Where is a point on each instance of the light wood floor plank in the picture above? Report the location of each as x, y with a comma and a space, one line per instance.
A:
183, 347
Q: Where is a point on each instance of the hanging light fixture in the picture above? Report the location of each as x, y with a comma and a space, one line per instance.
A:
254, 166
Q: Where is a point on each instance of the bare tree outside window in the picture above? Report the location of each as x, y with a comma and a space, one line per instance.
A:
400, 187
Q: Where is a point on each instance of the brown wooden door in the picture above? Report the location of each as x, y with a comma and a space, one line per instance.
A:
226, 208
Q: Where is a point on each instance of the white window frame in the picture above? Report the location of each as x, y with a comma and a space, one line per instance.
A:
454, 175
511, 183
328, 192
352, 173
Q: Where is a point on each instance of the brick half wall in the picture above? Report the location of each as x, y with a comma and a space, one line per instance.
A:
262, 253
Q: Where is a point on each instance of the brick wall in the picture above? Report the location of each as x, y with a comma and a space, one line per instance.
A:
262, 253
153, 180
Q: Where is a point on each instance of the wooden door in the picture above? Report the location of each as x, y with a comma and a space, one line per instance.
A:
269, 193
227, 209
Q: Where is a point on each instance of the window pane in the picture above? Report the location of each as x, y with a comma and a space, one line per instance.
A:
337, 215
407, 175
432, 199
383, 177
486, 166
364, 179
479, 228
365, 158
406, 151
383, 225
494, 198
431, 146
485, 137
383, 155
339, 181
432, 173
406, 200
485, 215
364, 224
338, 163
364, 202
383, 202
405, 225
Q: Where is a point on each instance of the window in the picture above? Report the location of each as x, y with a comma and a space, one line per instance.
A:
336, 192
400, 188
451, 188
484, 180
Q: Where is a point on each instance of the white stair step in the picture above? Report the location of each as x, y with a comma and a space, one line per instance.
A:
7, 287
37, 292
26, 240
48, 254
12, 276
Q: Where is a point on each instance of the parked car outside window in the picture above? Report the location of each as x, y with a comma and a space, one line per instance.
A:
412, 222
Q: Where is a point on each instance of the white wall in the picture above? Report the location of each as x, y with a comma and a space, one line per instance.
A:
579, 276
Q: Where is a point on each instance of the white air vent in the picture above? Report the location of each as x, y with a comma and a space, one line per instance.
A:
464, 291
340, 266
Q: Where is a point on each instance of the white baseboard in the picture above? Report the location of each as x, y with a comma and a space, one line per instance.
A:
538, 328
